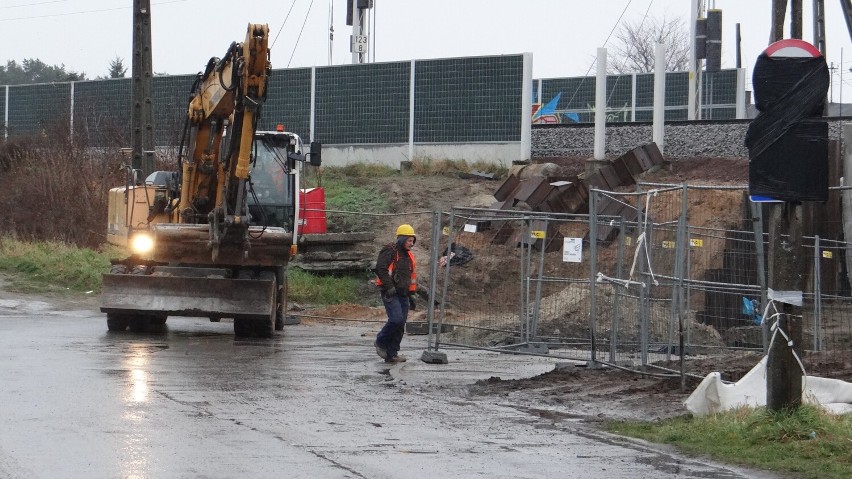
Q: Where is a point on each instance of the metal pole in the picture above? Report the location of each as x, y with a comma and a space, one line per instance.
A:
593, 267
644, 289
537, 303
659, 127
616, 309
446, 281
313, 118
524, 313
682, 238
433, 275
600, 107
817, 296
633, 97
411, 91
757, 225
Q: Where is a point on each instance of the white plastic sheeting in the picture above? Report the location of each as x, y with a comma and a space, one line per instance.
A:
713, 395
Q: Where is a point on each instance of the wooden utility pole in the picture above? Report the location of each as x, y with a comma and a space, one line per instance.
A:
142, 116
779, 13
786, 273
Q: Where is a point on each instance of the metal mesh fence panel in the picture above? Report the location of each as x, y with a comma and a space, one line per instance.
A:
3, 109
288, 102
518, 281
102, 112
171, 100
37, 108
481, 298
481, 94
723, 270
827, 310
358, 104
626, 103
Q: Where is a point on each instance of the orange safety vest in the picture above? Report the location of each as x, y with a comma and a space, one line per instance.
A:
411, 287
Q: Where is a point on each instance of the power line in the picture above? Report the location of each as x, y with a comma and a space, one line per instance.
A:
300, 33
79, 13
33, 4
284, 23
617, 22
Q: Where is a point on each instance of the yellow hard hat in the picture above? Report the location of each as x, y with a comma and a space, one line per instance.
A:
405, 230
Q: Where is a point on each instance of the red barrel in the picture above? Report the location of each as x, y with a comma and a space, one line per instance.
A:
312, 211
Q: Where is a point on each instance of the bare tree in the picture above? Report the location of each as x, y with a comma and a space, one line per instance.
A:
635, 43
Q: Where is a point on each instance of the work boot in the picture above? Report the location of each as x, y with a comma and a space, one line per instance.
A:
380, 350
396, 359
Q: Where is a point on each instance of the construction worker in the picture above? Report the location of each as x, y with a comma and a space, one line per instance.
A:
398, 283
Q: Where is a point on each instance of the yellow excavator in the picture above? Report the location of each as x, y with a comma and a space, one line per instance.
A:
213, 238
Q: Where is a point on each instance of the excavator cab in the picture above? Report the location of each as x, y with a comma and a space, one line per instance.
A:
272, 189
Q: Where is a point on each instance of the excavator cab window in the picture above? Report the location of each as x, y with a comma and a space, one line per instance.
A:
272, 199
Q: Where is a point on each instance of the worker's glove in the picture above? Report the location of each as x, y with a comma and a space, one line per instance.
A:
387, 295
411, 304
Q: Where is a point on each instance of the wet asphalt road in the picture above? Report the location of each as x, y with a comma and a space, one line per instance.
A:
315, 401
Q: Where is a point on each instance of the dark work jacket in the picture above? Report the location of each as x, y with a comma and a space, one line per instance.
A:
395, 268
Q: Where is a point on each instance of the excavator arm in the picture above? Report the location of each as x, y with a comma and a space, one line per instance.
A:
226, 102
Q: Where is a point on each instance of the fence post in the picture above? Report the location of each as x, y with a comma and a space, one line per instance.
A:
644, 290
616, 310
526, 252
817, 295
757, 224
681, 240
433, 276
633, 98
446, 280
593, 267
537, 303
683, 246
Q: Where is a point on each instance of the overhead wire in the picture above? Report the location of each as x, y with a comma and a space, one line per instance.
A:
283, 23
50, 15
614, 27
33, 4
300, 33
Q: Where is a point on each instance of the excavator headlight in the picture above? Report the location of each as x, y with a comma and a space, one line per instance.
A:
141, 243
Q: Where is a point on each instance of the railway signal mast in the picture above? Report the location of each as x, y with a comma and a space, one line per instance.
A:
357, 15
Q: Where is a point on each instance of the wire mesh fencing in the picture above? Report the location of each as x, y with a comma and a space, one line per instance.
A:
646, 278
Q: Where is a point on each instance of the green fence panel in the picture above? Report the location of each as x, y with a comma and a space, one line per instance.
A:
35, 109
473, 99
363, 104
288, 102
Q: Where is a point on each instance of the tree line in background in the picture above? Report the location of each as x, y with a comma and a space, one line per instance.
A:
33, 70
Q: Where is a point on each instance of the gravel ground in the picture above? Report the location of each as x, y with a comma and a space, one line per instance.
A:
682, 140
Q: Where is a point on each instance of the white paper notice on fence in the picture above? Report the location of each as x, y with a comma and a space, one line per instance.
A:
572, 250
470, 228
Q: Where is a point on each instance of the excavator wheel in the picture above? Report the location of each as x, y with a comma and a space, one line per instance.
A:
280, 298
242, 327
140, 324
265, 328
117, 322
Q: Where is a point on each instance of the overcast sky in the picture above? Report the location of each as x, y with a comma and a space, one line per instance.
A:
563, 35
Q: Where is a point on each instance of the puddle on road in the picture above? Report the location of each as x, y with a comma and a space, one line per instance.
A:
24, 306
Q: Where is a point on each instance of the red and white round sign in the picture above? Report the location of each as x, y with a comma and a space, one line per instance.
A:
792, 48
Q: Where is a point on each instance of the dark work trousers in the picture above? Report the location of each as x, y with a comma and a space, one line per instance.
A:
390, 336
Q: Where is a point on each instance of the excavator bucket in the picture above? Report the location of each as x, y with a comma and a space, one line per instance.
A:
188, 296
